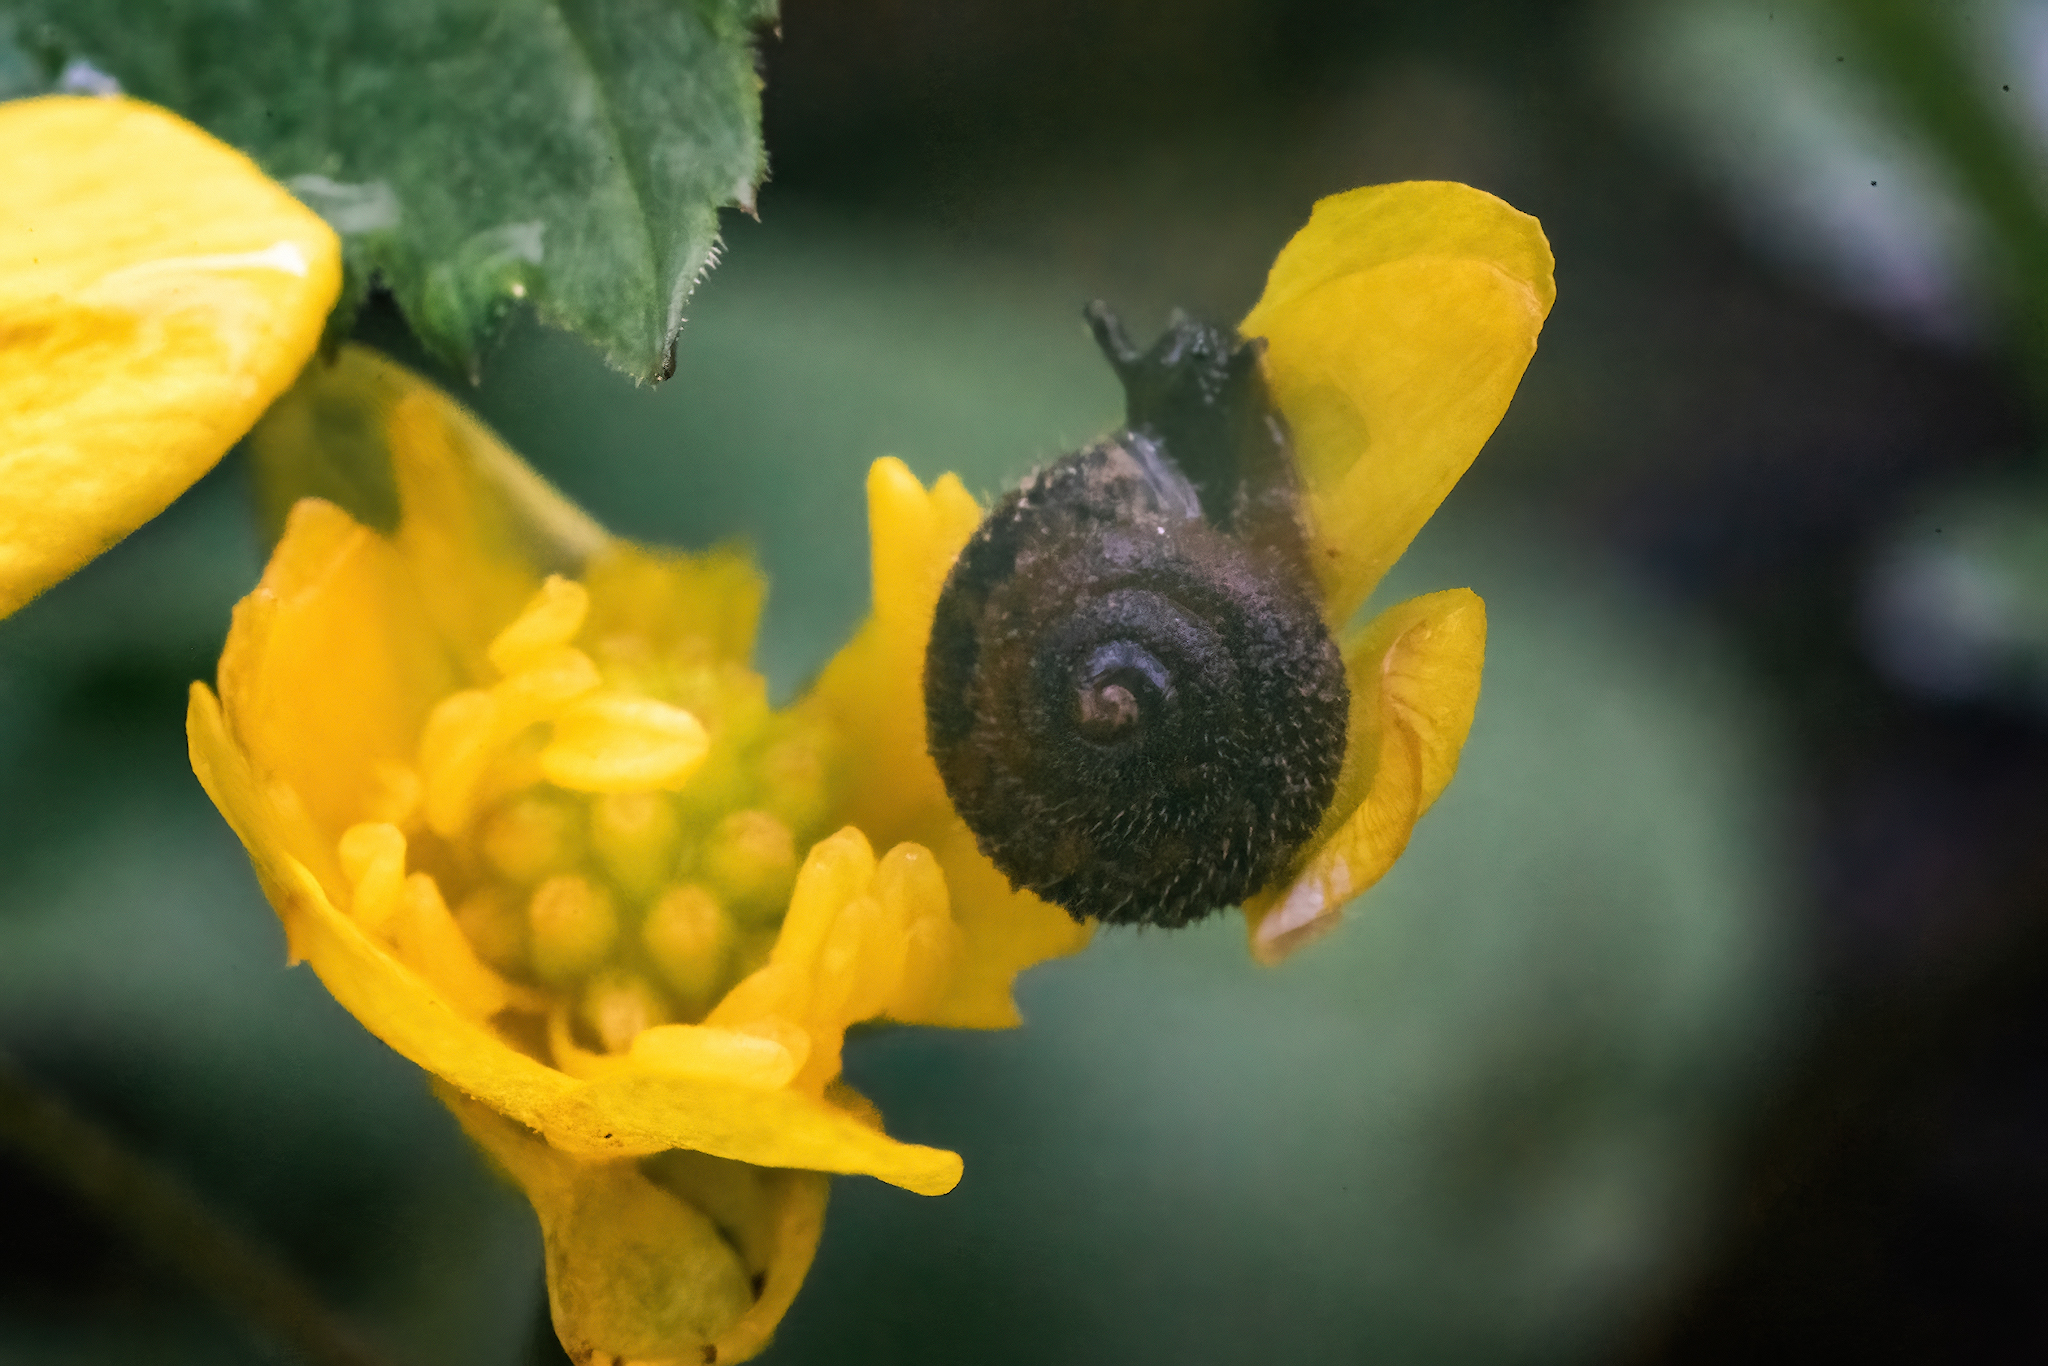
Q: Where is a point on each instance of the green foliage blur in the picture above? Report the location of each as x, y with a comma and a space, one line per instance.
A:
471, 155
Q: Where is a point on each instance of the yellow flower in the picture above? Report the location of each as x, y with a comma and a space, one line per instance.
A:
1397, 324
520, 801
156, 293
524, 808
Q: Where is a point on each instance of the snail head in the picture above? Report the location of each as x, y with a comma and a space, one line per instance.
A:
1199, 392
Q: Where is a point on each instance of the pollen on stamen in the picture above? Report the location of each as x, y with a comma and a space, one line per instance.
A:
550, 680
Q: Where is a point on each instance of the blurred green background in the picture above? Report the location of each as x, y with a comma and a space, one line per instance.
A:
1704, 1017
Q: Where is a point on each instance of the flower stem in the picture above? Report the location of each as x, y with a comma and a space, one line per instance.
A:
163, 1216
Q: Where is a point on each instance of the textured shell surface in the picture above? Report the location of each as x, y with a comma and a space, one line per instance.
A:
1130, 690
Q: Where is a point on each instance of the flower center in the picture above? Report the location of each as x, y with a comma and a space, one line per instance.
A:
611, 827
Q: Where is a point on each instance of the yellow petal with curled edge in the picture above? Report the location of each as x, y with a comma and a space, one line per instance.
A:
157, 291
1414, 673
476, 527
873, 693
678, 1258
1398, 323
327, 721
874, 688
623, 1112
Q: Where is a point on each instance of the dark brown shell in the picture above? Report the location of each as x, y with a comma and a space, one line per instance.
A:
1139, 713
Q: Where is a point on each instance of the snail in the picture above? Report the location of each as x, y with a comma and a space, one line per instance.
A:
1130, 690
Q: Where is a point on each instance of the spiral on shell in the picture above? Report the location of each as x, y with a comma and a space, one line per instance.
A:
1130, 690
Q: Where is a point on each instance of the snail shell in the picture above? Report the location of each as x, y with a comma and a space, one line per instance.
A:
1130, 691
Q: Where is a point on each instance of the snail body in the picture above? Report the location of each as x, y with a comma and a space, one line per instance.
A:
1130, 690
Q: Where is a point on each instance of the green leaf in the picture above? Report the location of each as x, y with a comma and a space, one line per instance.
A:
472, 153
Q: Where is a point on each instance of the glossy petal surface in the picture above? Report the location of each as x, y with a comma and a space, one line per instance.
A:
874, 692
1398, 323
157, 292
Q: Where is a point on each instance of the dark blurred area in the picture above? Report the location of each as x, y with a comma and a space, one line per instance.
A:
1708, 1018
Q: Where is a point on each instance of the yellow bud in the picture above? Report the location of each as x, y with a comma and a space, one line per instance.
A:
373, 860
455, 748
619, 1005
495, 923
613, 743
551, 619
689, 936
634, 834
533, 836
572, 925
751, 858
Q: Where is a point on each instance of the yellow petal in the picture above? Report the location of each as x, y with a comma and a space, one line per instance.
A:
681, 1257
1414, 674
157, 291
629, 1111
873, 690
274, 827
1398, 323
645, 1110
873, 694
1002, 932
476, 528
1435, 652
331, 722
